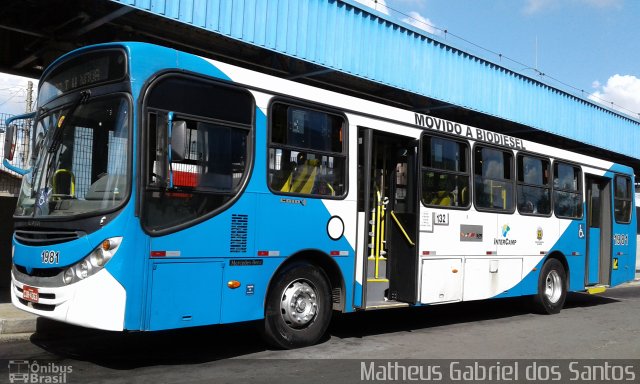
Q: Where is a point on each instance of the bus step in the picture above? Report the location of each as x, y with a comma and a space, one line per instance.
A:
597, 289
376, 291
385, 304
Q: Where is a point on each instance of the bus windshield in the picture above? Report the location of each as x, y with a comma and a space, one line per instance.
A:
81, 162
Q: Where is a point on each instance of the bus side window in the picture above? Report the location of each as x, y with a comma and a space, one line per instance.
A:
567, 190
533, 189
306, 153
493, 179
622, 199
218, 120
445, 172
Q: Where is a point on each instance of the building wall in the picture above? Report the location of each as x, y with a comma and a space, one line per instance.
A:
7, 207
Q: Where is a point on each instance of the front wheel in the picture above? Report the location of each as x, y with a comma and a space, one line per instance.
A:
298, 307
552, 288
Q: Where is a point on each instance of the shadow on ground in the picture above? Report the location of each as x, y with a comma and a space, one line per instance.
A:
130, 350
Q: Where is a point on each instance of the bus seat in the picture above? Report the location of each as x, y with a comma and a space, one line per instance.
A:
442, 198
64, 183
287, 174
303, 178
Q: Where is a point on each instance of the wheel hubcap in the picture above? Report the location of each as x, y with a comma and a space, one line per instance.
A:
299, 304
553, 287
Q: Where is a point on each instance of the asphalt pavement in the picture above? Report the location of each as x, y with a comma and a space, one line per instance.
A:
16, 324
590, 332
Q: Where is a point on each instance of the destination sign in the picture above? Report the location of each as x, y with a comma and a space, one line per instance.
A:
81, 72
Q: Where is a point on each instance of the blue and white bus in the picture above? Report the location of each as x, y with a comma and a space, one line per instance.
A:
169, 190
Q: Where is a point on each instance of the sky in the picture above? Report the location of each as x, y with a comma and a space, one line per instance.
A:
13, 93
591, 47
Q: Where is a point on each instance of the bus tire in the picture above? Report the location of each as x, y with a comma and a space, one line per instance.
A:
298, 307
552, 288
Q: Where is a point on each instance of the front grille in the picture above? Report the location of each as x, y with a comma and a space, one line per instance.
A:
38, 306
46, 236
43, 307
40, 272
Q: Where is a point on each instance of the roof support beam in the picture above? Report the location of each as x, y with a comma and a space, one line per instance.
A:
428, 110
310, 74
34, 56
23, 31
103, 20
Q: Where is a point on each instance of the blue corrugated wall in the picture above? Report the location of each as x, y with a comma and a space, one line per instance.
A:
340, 34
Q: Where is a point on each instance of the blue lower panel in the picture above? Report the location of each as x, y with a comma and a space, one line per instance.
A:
185, 294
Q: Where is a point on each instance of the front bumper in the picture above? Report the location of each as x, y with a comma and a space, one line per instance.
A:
96, 302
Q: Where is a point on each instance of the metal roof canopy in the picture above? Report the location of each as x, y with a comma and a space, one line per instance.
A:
335, 44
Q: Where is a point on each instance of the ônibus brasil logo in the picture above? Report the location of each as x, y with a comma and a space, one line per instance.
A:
25, 371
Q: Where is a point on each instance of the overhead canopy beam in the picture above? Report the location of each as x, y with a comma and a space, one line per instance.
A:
103, 20
310, 74
34, 56
23, 31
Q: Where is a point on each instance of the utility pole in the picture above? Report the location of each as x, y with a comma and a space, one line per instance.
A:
27, 125
29, 107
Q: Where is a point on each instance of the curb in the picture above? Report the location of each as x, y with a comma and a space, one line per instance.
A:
10, 337
14, 322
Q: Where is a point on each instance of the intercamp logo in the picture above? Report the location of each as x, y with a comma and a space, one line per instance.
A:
25, 371
505, 240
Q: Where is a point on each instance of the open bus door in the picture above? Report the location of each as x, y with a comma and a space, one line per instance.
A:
599, 231
388, 196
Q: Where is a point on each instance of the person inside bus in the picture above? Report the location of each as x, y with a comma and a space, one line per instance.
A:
446, 196
528, 207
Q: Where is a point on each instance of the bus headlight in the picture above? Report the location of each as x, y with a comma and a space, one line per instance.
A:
93, 263
83, 269
68, 275
96, 258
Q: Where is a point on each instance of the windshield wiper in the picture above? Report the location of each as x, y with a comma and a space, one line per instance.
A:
56, 140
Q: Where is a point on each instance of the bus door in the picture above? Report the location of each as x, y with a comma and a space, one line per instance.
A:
388, 196
599, 232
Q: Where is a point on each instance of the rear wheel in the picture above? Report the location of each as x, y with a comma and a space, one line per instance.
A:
298, 307
552, 288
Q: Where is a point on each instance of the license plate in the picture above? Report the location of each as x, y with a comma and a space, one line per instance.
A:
30, 293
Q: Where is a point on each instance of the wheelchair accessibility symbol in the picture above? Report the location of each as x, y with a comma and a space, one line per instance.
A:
580, 231
43, 196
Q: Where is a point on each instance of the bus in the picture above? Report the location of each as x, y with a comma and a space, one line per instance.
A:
168, 190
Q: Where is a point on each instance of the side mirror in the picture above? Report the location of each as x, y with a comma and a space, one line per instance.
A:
178, 140
10, 139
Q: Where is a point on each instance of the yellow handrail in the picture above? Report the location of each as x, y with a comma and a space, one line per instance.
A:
393, 215
378, 211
